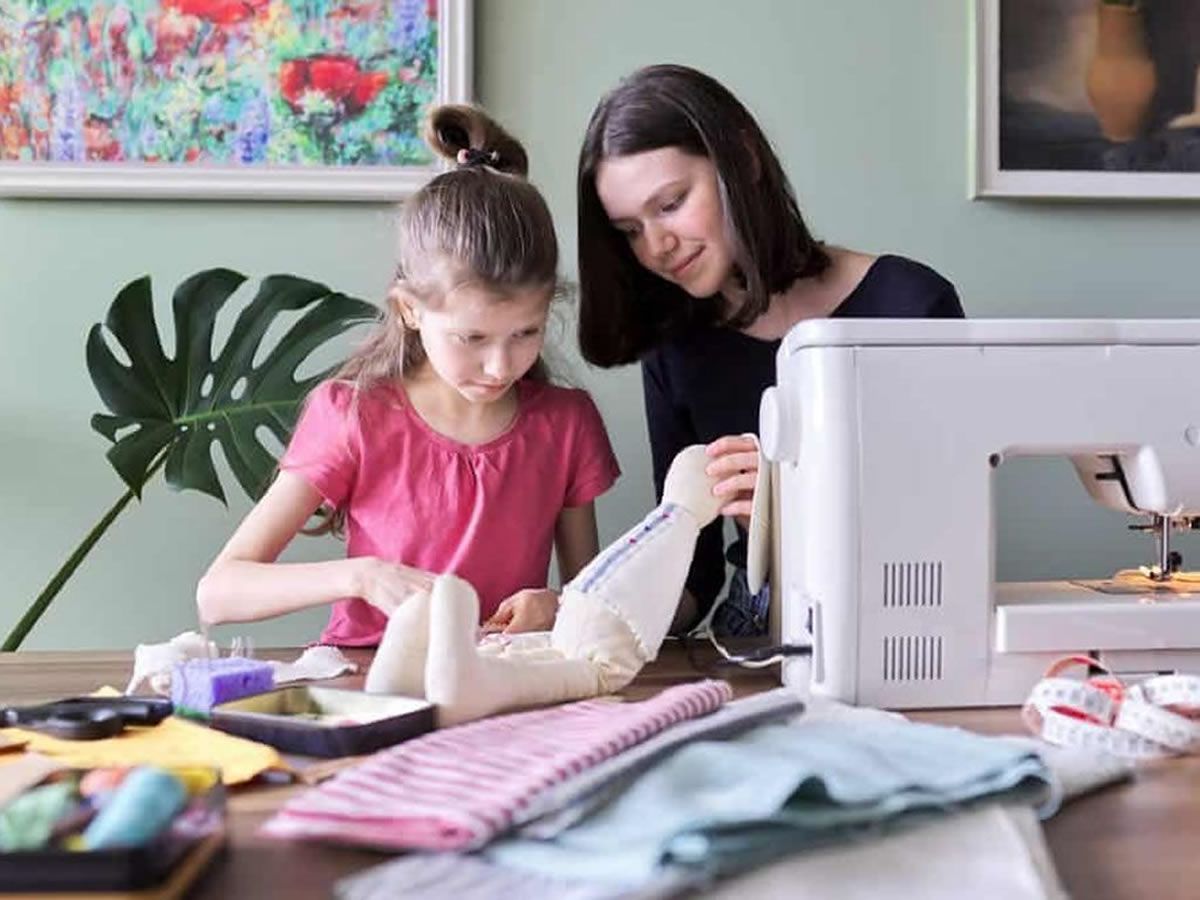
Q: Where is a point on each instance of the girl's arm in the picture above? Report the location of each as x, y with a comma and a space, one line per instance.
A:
576, 539
244, 583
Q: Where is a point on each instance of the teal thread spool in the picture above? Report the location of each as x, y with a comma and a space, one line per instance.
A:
140, 808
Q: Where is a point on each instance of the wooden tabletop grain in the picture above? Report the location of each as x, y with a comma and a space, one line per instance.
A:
1135, 840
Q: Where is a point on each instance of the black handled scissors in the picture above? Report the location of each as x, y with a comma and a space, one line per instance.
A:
87, 718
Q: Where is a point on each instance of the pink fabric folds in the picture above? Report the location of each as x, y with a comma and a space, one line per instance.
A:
458, 788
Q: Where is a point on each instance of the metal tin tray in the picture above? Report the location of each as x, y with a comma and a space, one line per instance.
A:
324, 721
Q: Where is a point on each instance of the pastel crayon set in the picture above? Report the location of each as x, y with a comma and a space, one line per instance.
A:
118, 829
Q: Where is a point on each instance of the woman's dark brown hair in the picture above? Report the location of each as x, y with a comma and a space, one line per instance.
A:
624, 309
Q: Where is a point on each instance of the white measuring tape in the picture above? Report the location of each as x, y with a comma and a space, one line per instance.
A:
1157, 717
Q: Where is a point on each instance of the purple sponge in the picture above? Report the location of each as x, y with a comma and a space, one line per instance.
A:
200, 684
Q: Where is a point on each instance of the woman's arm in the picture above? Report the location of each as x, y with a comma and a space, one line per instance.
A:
244, 583
670, 430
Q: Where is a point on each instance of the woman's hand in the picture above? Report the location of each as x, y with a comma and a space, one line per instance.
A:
734, 461
532, 609
385, 585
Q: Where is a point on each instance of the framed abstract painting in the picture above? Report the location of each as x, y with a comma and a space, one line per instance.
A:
221, 99
1086, 98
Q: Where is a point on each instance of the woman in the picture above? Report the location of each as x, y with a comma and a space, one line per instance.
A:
694, 259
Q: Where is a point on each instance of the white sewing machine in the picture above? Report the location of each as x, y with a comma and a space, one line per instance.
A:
883, 436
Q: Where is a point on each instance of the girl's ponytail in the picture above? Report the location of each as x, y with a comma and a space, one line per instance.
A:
468, 136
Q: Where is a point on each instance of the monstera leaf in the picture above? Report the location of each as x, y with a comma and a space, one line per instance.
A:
169, 412
182, 406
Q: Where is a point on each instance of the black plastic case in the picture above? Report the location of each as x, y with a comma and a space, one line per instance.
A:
324, 721
118, 869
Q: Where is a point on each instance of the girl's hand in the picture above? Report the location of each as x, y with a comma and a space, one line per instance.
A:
735, 463
385, 585
532, 609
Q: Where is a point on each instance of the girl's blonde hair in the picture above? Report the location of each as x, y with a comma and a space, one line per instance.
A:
481, 223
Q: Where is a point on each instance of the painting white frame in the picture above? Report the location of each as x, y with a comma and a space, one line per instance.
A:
165, 181
989, 180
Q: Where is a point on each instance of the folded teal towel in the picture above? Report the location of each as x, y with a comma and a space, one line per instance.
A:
723, 806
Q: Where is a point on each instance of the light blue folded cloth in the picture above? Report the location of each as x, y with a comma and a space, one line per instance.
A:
719, 807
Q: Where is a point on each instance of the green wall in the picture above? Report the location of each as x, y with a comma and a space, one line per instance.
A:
866, 101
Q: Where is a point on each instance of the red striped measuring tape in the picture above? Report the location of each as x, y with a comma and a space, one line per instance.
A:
1157, 717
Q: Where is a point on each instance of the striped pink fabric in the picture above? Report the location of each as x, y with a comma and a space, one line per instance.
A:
458, 788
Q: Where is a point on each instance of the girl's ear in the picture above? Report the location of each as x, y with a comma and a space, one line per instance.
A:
405, 306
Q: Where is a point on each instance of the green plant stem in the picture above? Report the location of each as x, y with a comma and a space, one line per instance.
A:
50, 591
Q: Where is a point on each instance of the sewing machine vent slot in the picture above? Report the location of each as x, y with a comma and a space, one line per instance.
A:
912, 658
912, 584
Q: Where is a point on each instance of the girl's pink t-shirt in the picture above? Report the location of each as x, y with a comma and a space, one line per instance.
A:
485, 512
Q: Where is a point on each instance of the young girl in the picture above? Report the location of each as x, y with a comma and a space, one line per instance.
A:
694, 258
439, 445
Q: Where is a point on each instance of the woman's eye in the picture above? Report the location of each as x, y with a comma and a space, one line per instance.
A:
469, 338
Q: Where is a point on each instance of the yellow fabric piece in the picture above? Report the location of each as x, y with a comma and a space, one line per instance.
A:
172, 743
8, 745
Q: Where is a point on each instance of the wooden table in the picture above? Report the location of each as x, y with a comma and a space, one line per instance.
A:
1128, 841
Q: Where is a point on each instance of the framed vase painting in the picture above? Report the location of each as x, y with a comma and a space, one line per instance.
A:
1086, 98
244, 99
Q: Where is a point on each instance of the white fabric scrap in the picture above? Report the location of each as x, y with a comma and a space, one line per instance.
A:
316, 663
152, 663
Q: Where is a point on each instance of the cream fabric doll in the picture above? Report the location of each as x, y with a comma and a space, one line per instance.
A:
611, 621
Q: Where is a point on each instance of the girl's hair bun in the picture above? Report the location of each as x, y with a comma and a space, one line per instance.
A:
451, 129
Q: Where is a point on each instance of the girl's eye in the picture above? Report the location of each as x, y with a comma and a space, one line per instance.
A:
672, 205
529, 333
469, 338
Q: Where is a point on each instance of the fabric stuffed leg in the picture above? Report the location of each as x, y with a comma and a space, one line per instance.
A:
612, 619
399, 664
466, 684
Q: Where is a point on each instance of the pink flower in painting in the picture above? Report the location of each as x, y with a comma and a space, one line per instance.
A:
173, 34
357, 11
118, 31
14, 138
411, 73
215, 43
99, 139
95, 27
219, 12
431, 10
339, 78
